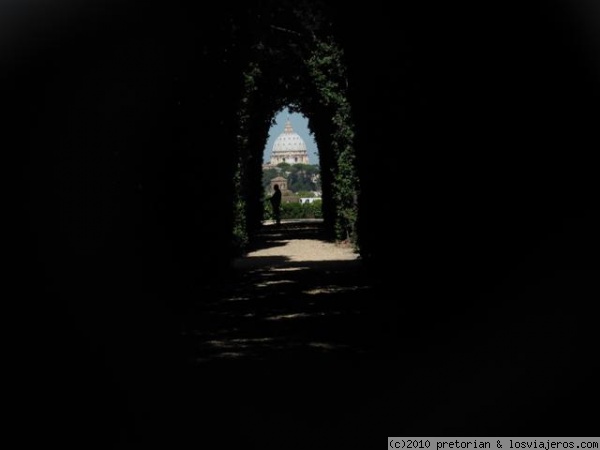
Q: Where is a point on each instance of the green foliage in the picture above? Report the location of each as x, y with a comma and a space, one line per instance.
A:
268, 175
240, 233
297, 211
328, 72
300, 177
306, 168
305, 194
300, 181
303, 69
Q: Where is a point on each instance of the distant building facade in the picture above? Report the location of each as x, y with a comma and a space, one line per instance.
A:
289, 148
282, 182
304, 200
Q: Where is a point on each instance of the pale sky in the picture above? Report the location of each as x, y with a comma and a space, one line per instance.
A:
300, 126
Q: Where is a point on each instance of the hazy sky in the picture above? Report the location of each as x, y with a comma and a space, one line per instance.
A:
300, 126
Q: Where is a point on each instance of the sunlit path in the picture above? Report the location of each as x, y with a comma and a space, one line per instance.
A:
300, 323
293, 295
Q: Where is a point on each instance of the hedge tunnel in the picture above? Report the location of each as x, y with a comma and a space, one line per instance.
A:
455, 141
448, 135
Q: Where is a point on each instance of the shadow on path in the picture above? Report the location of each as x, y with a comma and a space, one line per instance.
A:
283, 305
314, 351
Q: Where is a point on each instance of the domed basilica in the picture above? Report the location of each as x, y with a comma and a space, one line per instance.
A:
289, 148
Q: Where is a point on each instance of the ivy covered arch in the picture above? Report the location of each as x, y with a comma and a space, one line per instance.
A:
293, 61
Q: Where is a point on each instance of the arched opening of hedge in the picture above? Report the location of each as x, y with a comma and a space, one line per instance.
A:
291, 153
303, 69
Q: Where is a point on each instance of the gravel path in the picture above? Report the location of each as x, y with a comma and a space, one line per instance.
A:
306, 250
301, 346
294, 242
294, 295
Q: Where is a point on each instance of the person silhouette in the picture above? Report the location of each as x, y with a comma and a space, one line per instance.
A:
276, 203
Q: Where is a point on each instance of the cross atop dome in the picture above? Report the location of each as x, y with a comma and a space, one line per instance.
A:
288, 126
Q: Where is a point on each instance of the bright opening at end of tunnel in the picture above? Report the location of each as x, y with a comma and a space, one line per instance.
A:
298, 138
290, 168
